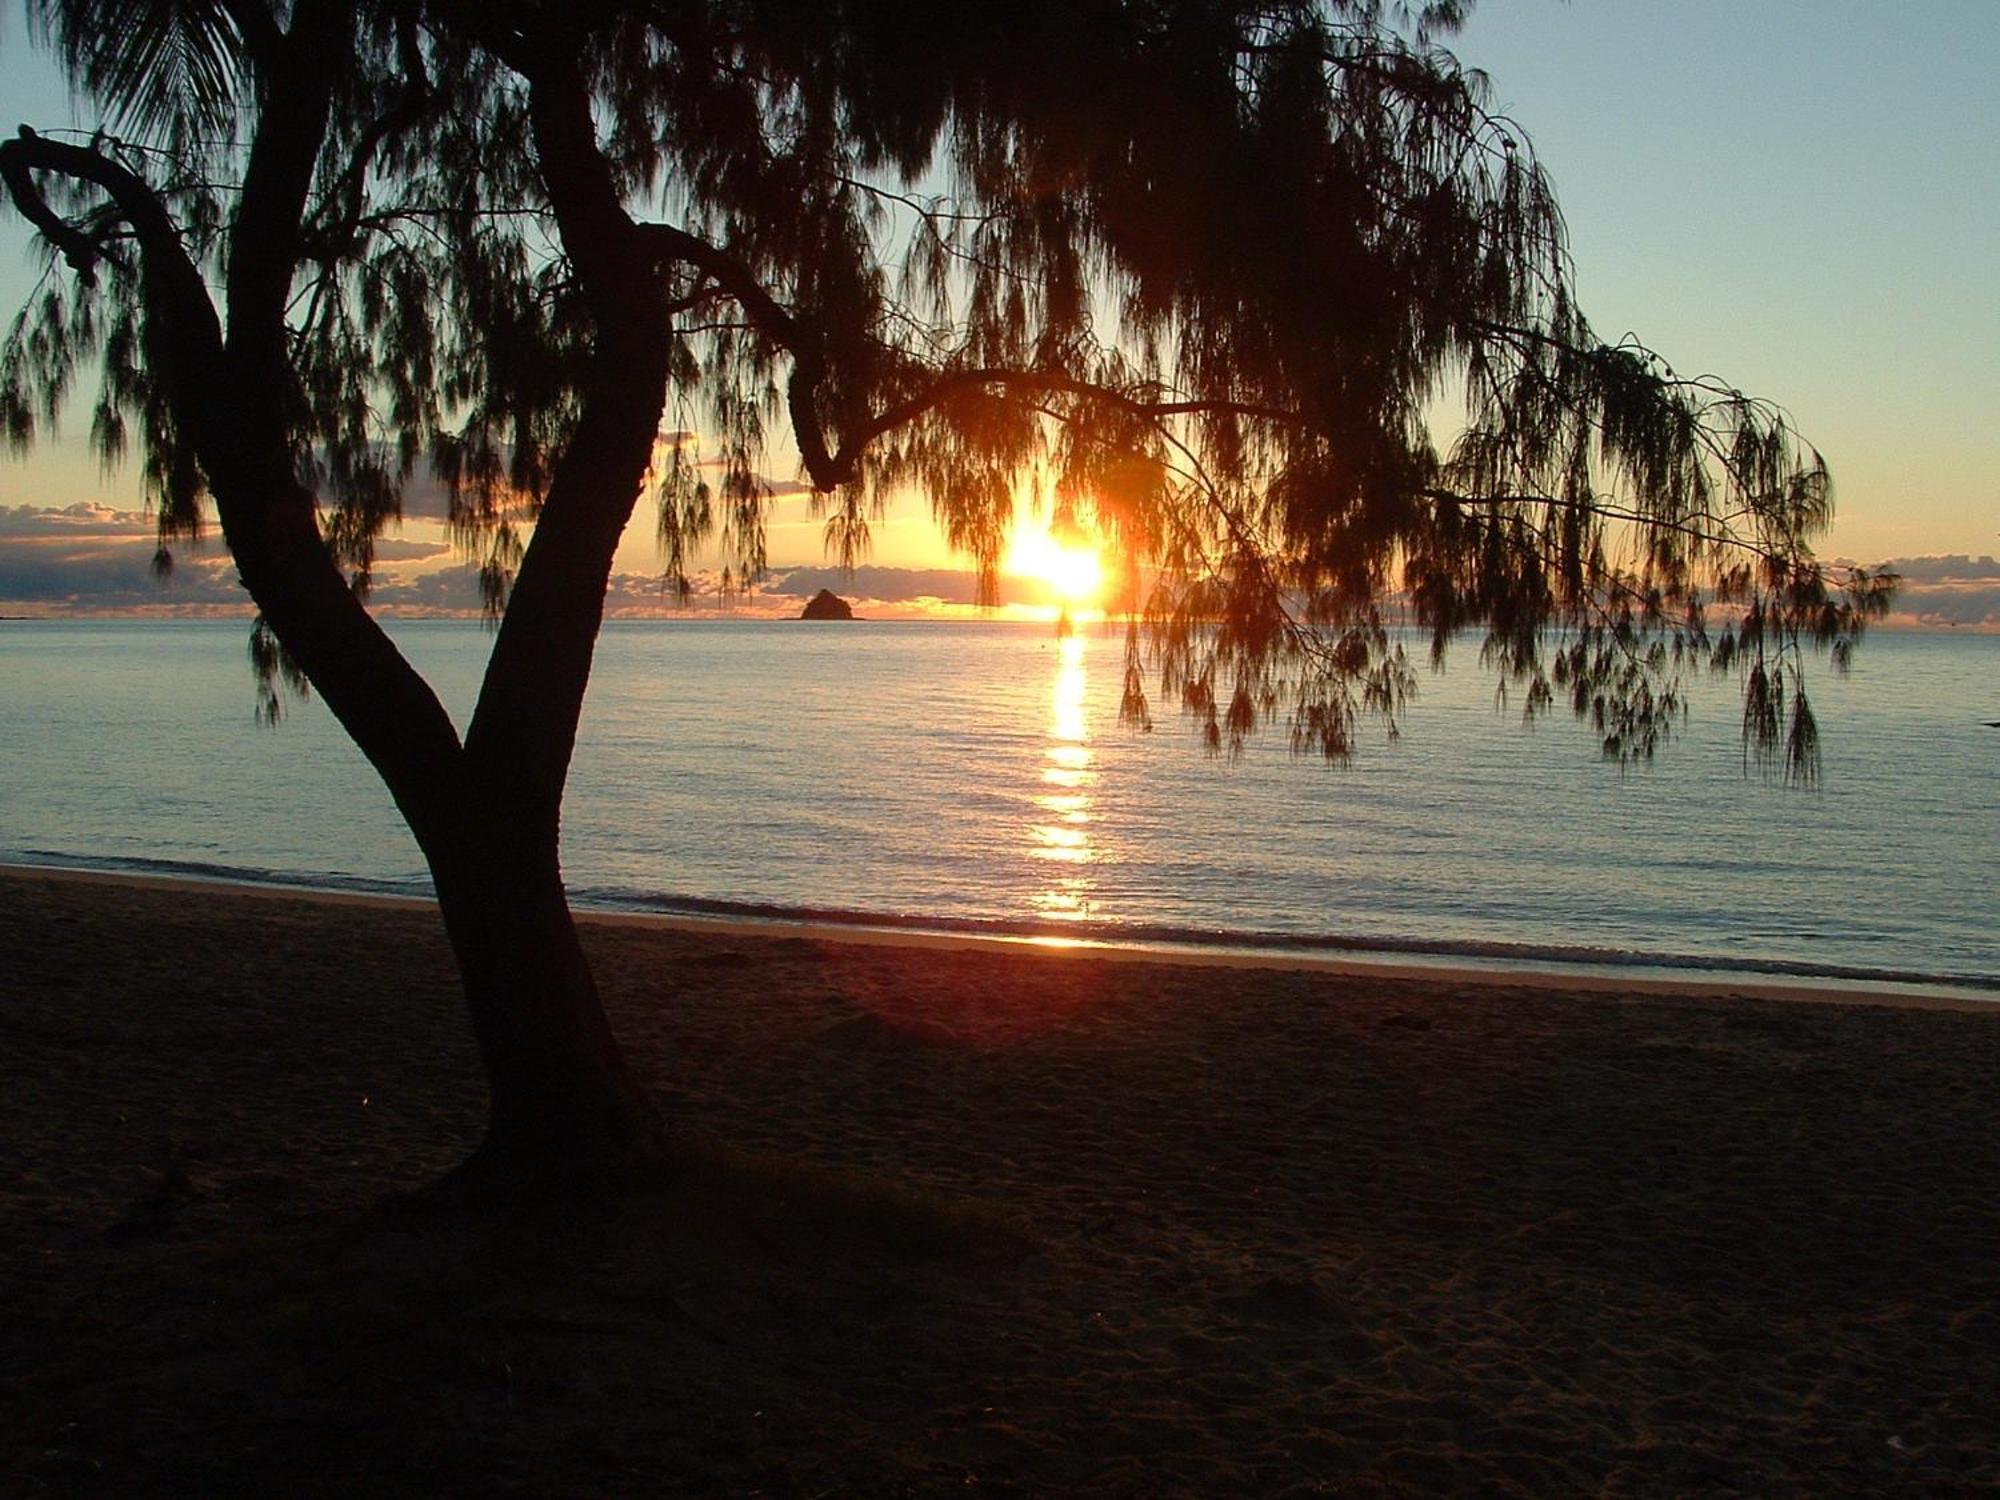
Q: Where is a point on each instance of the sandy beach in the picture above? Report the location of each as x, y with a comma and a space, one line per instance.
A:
1233, 1230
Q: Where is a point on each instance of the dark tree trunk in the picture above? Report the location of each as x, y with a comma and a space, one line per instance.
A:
563, 1101
565, 1107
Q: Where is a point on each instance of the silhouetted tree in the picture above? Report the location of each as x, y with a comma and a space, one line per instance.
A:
1209, 276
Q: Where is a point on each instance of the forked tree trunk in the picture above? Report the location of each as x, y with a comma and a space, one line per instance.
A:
564, 1103
486, 812
565, 1108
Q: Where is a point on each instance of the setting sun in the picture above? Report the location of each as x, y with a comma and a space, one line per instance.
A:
1074, 573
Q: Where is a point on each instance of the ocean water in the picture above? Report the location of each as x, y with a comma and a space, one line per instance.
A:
975, 776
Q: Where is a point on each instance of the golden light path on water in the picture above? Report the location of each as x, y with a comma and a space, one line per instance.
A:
1060, 833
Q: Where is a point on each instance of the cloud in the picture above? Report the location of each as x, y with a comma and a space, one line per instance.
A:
114, 575
1952, 591
92, 559
89, 558
779, 488
891, 585
1956, 568
446, 591
72, 521
427, 497
403, 549
958, 586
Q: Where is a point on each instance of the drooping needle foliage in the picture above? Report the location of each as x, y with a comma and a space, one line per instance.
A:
1264, 295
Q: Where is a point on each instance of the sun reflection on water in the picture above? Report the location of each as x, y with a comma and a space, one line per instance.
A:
1060, 831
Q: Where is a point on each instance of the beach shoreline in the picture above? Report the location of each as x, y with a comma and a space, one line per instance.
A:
1284, 1231
1664, 979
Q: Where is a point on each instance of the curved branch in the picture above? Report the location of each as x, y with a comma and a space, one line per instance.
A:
778, 324
782, 327
1721, 535
771, 317
17, 158
267, 520
183, 331
962, 382
138, 205
412, 100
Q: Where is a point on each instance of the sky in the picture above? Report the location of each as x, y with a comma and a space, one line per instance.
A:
1803, 198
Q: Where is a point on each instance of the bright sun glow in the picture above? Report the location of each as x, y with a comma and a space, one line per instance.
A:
1074, 573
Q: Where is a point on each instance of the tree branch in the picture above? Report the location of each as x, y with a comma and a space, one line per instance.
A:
264, 239
137, 204
776, 323
17, 158
254, 23
392, 715
411, 101
524, 730
962, 382
182, 329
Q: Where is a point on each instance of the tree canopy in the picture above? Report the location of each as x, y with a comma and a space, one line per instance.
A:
1266, 295
1211, 278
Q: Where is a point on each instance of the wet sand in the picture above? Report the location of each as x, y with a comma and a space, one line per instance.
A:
1246, 1230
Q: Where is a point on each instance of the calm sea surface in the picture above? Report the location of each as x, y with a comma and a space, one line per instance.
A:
975, 775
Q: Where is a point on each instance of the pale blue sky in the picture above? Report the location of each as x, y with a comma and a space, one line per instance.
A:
1801, 197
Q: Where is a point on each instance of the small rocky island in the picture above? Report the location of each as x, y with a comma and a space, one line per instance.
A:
826, 605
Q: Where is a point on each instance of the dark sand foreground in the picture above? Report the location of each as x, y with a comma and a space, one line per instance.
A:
1285, 1233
